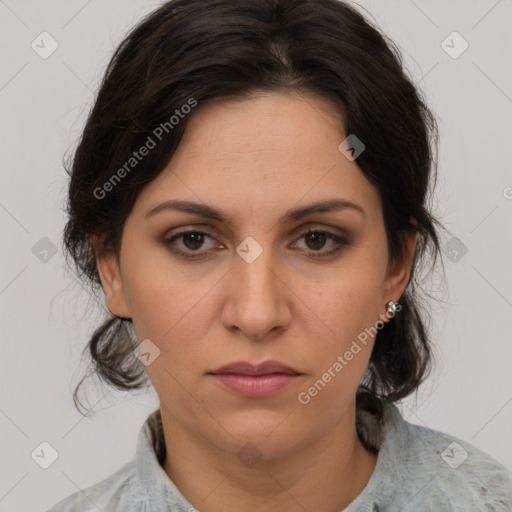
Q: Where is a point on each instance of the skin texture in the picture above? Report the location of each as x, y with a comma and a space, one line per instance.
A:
256, 158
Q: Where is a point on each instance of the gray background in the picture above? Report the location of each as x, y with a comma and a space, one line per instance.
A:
46, 317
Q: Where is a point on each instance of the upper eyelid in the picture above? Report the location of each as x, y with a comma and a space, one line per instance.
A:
213, 232
301, 233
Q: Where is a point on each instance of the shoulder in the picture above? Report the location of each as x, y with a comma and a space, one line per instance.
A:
444, 471
116, 492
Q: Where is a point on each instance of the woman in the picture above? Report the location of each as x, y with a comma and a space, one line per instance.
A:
250, 191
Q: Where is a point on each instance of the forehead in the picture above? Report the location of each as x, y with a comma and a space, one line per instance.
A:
266, 152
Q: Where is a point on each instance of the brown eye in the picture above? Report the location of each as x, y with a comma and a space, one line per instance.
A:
193, 240
191, 243
317, 239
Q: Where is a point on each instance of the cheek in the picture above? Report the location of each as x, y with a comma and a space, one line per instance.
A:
171, 315
341, 359
349, 305
157, 295
175, 313
349, 301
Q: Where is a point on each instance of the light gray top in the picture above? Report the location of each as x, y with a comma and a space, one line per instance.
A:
418, 470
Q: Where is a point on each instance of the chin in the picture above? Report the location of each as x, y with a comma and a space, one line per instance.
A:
270, 436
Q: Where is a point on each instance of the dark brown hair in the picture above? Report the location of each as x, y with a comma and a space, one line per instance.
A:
210, 50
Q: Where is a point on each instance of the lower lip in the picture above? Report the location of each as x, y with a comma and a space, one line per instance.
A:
255, 385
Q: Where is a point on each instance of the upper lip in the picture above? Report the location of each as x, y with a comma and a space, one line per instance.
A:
264, 368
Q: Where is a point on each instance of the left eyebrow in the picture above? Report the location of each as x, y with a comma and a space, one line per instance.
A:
292, 215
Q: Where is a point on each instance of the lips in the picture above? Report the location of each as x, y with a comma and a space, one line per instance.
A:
255, 381
265, 368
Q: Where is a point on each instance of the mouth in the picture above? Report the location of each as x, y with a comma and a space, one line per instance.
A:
255, 381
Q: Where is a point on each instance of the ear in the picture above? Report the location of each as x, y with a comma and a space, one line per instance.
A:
111, 280
400, 272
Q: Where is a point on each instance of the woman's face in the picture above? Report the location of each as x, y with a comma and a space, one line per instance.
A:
253, 286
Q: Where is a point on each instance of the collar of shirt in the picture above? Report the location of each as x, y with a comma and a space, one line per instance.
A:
418, 469
157, 490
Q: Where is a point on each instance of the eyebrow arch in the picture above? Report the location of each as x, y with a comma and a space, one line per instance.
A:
295, 214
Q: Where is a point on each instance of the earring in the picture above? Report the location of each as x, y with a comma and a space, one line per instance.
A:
391, 307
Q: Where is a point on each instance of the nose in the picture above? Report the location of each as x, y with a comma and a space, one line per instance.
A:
259, 299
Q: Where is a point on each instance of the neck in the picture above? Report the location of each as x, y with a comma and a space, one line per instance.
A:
331, 471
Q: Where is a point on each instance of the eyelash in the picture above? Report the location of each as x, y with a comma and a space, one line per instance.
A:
340, 241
